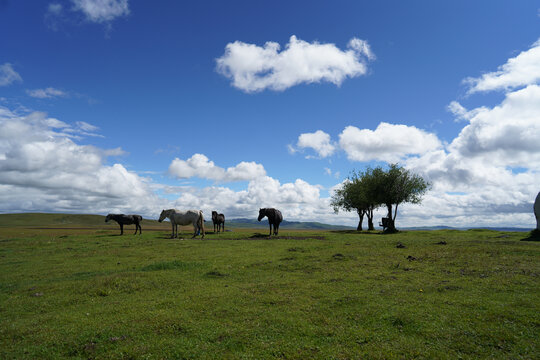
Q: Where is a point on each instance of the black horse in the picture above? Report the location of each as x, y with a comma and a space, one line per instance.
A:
219, 220
274, 218
122, 220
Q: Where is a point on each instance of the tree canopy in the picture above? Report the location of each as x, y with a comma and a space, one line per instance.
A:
365, 191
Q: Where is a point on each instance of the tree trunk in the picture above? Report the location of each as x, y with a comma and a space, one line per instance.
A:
361, 220
370, 219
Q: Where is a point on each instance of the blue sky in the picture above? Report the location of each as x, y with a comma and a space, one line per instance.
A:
237, 105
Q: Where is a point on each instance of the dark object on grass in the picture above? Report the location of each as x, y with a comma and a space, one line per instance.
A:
385, 223
400, 246
274, 218
122, 220
536, 209
534, 235
441, 243
219, 220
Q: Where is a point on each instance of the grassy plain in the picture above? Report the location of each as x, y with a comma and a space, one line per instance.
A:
89, 293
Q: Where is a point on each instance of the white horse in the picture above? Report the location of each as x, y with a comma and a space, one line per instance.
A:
179, 217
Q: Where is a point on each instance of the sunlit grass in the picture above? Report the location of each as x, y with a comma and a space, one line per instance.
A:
239, 294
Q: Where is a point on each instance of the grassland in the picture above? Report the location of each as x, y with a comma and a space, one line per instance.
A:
89, 293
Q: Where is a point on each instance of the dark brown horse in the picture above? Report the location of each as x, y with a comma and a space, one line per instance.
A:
274, 218
122, 220
219, 220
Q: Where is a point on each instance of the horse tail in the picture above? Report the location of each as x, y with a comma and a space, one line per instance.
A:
200, 222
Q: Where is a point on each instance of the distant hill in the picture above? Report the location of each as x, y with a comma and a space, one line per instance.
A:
466, 228
84, 220
61, 220
254, 224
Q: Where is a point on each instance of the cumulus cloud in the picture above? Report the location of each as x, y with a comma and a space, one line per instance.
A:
521, 70
388, 142
297, 200
254, 68
101, 11
8, 75
46, 93
507, 134
42, 168
489, 174
318, 141
200, 166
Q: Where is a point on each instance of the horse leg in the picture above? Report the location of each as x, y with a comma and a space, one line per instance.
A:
121, 229
270, 228
172, 229
136, 228
276, 229
195, 228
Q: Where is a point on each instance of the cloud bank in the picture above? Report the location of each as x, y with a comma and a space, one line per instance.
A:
489, 174
253, 68
42, 168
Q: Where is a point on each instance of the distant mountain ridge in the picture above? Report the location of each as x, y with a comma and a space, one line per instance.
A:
64, 220
313, 225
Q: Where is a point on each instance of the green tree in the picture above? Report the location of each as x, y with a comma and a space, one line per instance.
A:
357, 194
397, 186
364, 192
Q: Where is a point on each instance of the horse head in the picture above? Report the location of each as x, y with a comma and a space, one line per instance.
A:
262, 213
108, 217
163, 215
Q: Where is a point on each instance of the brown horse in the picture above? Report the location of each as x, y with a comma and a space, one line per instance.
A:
274, 218
219, 220
122, 220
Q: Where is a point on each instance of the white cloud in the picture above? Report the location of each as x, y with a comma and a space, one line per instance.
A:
47, 93
43, 169
461, 113
86, 126
55, 8
102, 11
200, 166
508, 134
388, 142
318, 141
254, 68
297, 200
475, 181
521, 70
7, 75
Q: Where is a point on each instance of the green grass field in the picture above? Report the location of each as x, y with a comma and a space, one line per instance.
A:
89, 293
